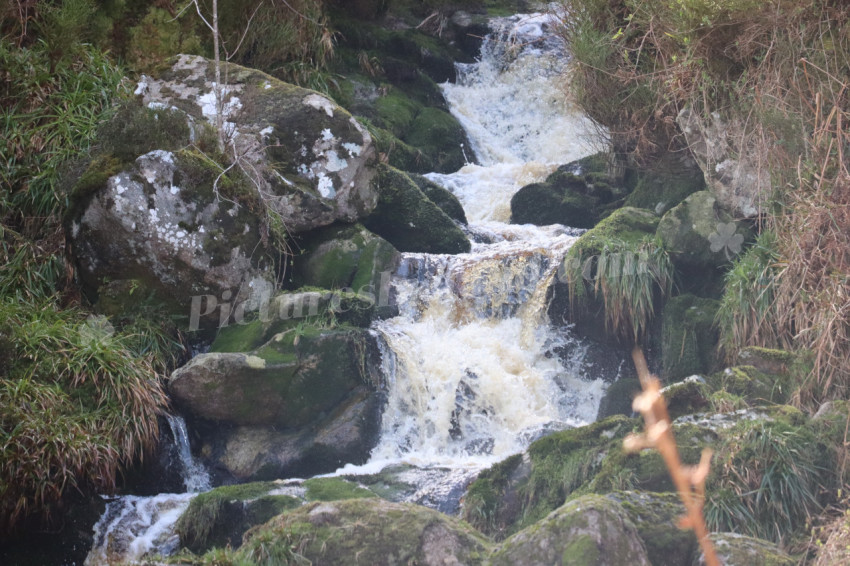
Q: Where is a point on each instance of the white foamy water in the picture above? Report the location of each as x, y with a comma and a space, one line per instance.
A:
514, 107
471, 361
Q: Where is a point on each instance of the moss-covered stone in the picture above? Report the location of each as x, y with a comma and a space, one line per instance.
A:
656, 517
296, 377
623, 229
688, 336
440, 196
137, 129
734, 549
409, 220
588, 531
345, 257
395, 112
439, 135
578, 194
220, 517
753, 385
368, 531
668, 183
687, 397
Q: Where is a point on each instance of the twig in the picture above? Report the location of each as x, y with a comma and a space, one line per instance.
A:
689, 481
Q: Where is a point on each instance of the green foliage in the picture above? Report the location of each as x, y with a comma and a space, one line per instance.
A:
77, 402
158, 36
748, 298
47, 116
766, 481
629, 278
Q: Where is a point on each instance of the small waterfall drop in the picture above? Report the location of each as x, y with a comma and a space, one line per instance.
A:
133, 526
195, 475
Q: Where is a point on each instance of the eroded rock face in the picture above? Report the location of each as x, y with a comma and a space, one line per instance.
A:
729, 172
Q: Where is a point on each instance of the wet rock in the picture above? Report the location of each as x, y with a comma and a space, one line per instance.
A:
440, 196
409, 220
669, 182
590, 530
686, 397
578, 194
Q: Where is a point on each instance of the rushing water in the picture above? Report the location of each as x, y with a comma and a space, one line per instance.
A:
470, 361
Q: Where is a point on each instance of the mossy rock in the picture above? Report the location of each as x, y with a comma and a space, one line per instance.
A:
626, 224
667, 184
521, 490
656, 517
588, 531
699, 233
439, 135
687, 397
220, 517
757, 387
395, 112
440, 196
291, 381
297, 312
688, 337
137, 129
368, 531
349, 258
409, 220
625, 227
578, 194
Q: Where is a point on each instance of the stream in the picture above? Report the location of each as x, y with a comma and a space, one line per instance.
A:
475, 372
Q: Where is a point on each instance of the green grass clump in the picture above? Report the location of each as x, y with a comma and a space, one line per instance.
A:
77, 403
767, 479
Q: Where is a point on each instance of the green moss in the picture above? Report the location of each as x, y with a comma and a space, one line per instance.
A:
334, 489
580, 551
665, 185
409, 220
627, 224
239, 337
688, 336
485, 496
373, 530
442, 197
219, 517
396, 112
753, 385
137, 129
439, 135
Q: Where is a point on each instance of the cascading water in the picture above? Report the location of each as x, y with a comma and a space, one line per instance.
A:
132, 525
470, 361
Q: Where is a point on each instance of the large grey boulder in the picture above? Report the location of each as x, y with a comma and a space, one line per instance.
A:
719, 147
164, 206
309, 157
739, 550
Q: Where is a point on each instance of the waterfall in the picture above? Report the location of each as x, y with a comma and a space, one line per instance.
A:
195, 475
471, 361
